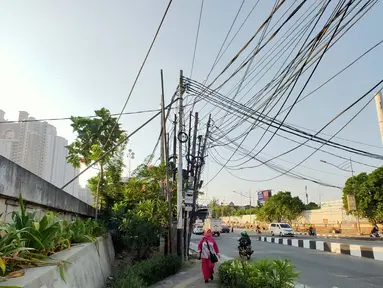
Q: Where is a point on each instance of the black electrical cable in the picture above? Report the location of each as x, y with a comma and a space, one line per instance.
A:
117, 145
142, 66
196, 38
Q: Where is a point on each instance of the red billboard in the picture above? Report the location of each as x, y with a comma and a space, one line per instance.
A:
263, 195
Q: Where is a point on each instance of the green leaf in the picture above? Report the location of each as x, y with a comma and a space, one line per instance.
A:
62, 272
2, 265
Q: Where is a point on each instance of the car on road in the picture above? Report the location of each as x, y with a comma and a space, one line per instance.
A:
281, 229
225, 229
198, 229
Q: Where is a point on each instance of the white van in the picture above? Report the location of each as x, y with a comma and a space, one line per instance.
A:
281, 229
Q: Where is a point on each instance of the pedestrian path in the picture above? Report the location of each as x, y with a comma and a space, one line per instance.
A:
188, 278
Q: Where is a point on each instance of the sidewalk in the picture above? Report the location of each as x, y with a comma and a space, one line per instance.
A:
189, 277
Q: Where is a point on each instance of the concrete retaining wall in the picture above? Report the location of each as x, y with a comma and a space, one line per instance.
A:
88, 268
39, 193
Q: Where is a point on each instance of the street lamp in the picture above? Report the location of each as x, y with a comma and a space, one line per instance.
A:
130, 157
352, 174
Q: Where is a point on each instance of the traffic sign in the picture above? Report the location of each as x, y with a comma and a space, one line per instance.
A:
188, 199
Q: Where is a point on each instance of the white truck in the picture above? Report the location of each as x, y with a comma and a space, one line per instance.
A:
215, 225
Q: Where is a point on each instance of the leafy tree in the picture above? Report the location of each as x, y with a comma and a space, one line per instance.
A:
281, 207
368, 191
213, 206
112, 189
95, 136
311, 206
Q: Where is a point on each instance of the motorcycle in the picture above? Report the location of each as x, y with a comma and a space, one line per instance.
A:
312, 232
245, 252
375, 234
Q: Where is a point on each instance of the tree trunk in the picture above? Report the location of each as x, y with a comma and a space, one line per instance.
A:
98, 189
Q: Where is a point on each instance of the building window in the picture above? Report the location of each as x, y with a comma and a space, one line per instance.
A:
9, 134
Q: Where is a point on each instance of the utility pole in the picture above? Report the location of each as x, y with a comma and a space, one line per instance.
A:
191, 180
201, 155
379, 110
165, 160
175, 146
307, 196
180, 174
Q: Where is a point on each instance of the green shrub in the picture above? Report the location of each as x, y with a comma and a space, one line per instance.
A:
147, 272
28, 240
140, 236
127, 278
157, 268
262, 273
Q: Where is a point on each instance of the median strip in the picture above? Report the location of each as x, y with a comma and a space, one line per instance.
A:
375, 253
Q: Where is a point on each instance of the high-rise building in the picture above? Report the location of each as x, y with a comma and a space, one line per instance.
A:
36, 147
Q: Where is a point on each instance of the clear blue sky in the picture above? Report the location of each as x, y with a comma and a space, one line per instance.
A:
62, 58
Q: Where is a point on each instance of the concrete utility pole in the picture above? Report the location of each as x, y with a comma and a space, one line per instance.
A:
180, 174
379, 110
165, 160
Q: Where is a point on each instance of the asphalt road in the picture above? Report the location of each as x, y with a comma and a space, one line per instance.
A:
317, 269
336, 240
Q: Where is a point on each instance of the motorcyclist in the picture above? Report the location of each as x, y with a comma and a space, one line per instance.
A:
375, 231
244, 241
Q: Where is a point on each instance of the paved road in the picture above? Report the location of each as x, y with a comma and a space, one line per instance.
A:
318, 269
336, 240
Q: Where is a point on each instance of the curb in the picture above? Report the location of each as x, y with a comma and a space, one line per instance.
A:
374, 253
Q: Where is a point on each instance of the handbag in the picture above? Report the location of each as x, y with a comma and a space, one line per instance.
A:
213, 256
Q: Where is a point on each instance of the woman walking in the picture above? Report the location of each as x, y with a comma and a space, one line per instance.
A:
208, 251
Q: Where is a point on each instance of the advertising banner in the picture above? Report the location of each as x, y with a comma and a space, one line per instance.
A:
263, 195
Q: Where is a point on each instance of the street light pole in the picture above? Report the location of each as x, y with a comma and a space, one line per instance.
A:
131, 155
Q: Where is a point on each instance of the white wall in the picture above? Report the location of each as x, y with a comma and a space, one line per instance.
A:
88, 266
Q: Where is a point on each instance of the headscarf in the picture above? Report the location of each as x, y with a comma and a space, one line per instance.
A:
207, 233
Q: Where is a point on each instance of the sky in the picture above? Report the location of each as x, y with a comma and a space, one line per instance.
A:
65, 58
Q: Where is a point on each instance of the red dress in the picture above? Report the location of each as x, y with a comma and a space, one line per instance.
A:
207, 265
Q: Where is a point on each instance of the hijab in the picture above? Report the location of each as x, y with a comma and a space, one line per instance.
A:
207, 233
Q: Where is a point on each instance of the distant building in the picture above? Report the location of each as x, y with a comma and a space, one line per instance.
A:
36, 147
335, 204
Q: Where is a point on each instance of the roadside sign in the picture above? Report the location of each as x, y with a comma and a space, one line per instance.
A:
188, 208
189, 197
351, 202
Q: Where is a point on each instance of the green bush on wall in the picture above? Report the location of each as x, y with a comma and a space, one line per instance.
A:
260, 274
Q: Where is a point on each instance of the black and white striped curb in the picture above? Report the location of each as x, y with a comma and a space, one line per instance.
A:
370, 252
331, 235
